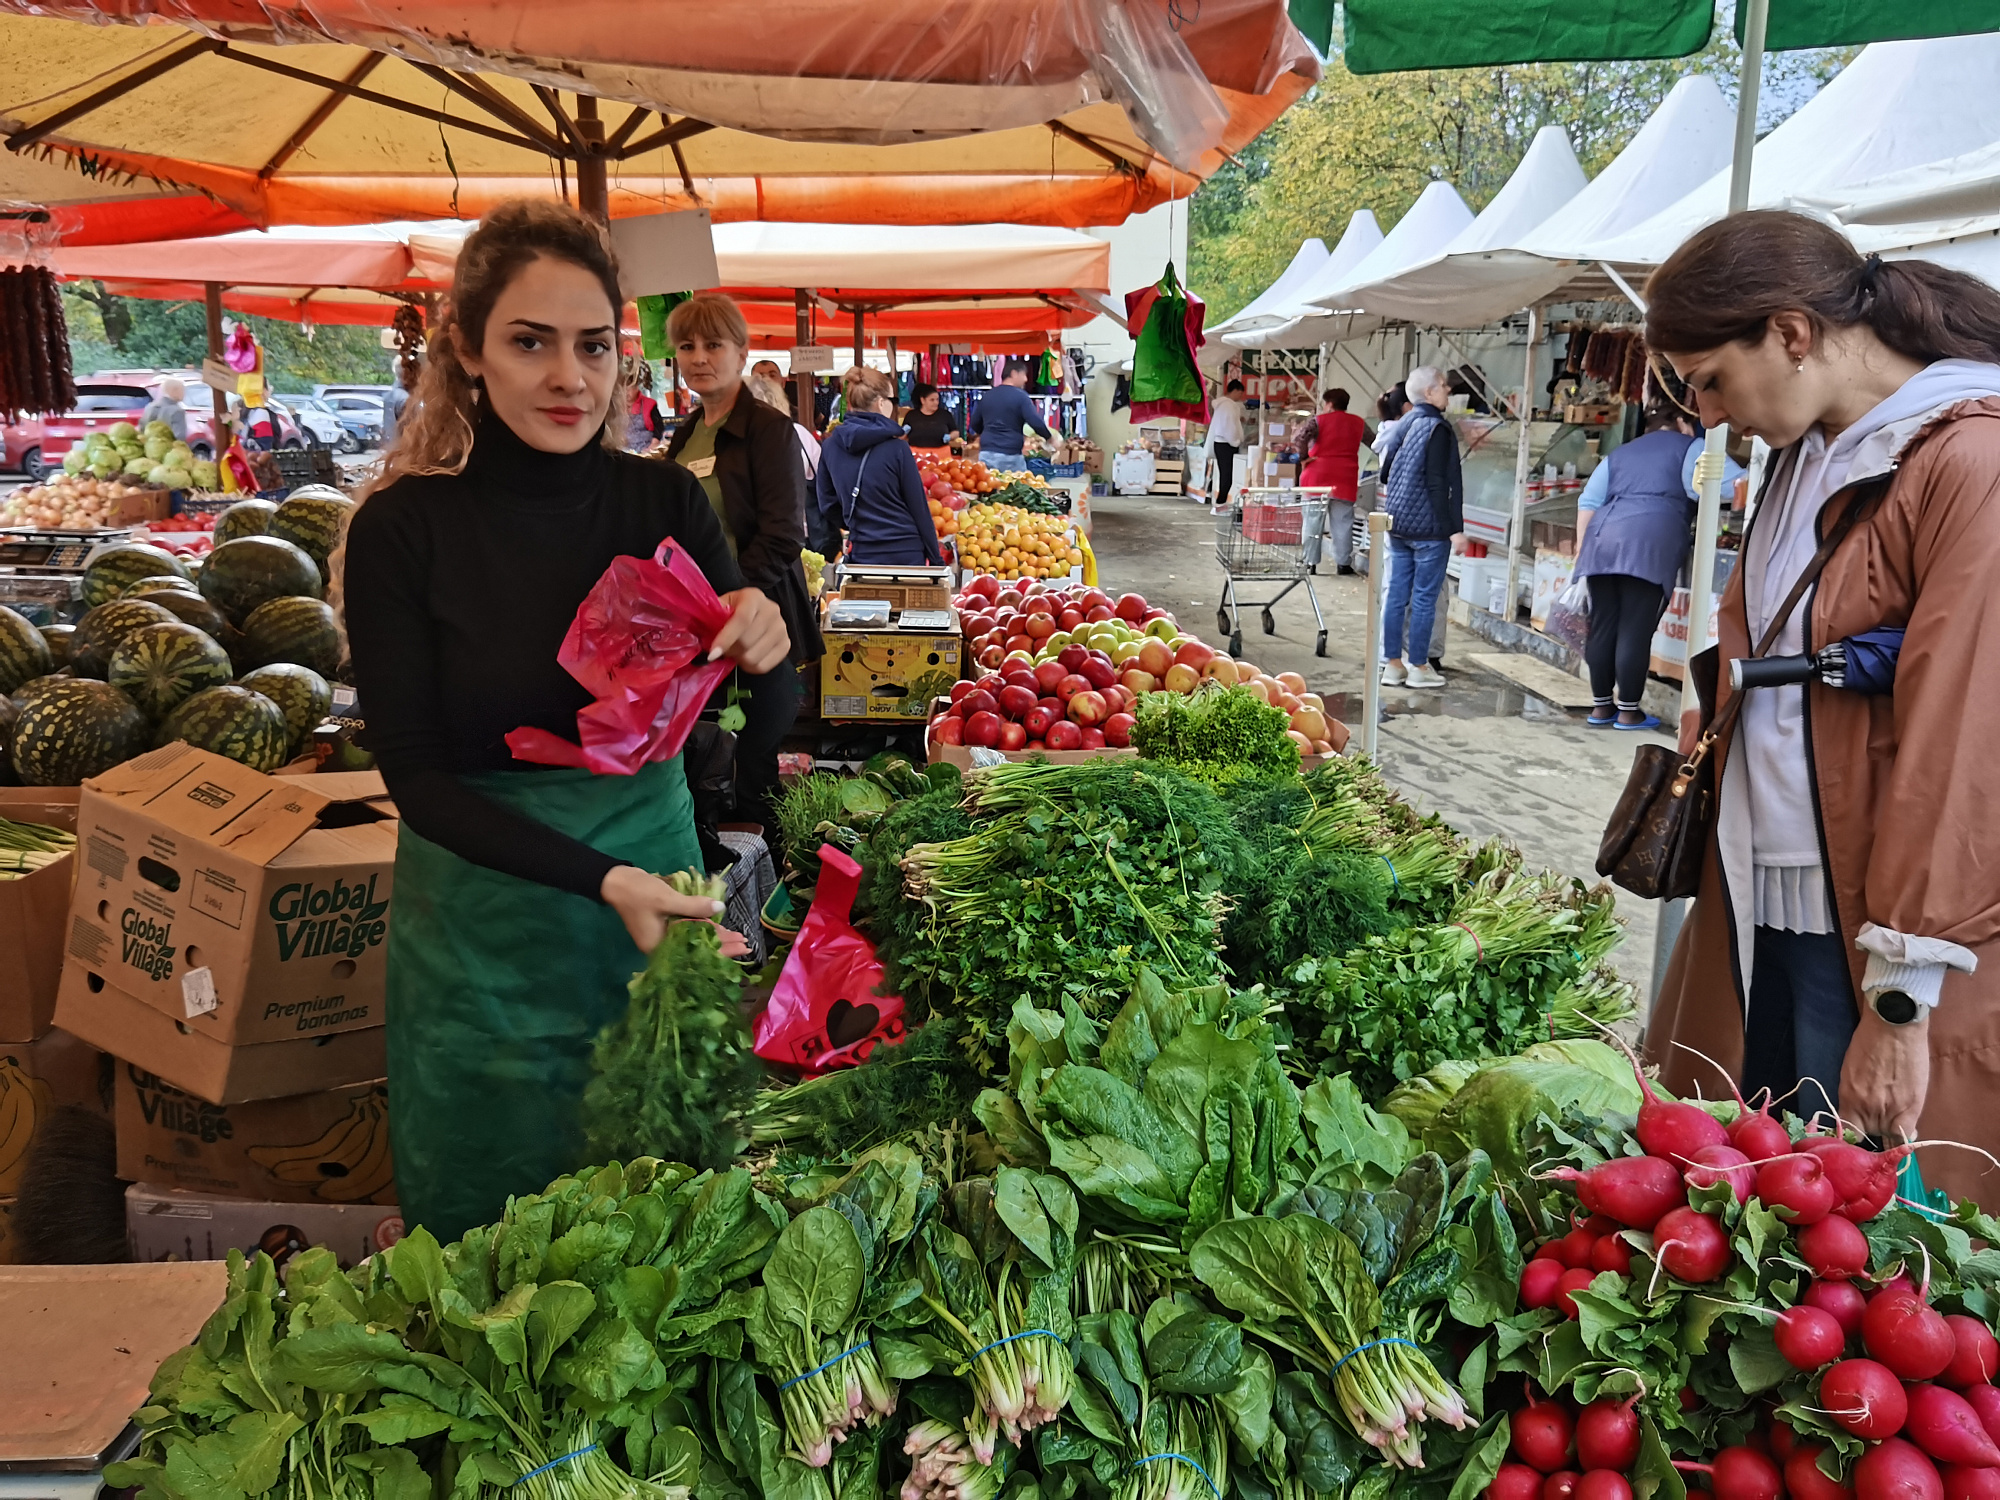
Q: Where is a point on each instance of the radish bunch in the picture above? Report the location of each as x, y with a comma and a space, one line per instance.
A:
1560, 1454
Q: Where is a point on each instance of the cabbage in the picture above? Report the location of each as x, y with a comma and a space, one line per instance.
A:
124, 432
158, 428
156, 446
173, 477
74, 461
205, 474
97, 440
105, 468
1493, 1111
138, 468
179, 456
1417, 1102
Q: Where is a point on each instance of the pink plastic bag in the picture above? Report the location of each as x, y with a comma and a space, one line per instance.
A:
638, 643
824, 1012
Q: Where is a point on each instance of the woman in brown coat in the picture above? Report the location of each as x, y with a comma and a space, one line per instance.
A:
1846, 937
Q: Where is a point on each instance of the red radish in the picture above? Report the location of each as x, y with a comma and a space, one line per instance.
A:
1561, 1485
1963, 1482
1540, 1433
1809, 1338
1667, 1128
1948, 1429
1907, 1334
1601, 1224
1603, 1484
1551, 1250
1691, 1246
1611, 1253
1985, 1400
1864, 1180
1515, 1482
1758, 1136
1806, 1480
1835, 1248
1783, 1440
1975, 1355
1575, 1249
1740, 1474
1572, 1281
1634, 1190
1538, 1283
1798, 1185
1722, 1164
1841, 1298
1896, 1470
1607, 1434
1865, 1398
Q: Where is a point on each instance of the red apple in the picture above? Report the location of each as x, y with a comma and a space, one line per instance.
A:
1012, 737
1040, 627
1088, 708
1180, 679
985, 585
978, 701
1071, 685
1097, 613
1100, 672
1130, 607
1021, 677
991, 656
1049, 673
1095, 599
991, 682
1196, 654
1118, 730
1037, 721
1021, 643
1065, 736
1120, 697
1025, 660
1073, 657
959, 689
1051, 702
948, 732
1015, 701
1154, 657
1007, 598
1033, 745
1069, 619
1139, 681
983, 729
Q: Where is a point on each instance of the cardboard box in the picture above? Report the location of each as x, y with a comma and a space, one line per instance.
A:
887, 674
901, 588
37, 1079
330, 1147
164, 1224
1552, 569
10, 1252
209, 1069
34, 913
253, 907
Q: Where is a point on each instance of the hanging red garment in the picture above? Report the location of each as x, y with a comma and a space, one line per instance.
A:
1164, 321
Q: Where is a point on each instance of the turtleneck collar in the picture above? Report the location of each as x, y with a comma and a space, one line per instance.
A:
500, 460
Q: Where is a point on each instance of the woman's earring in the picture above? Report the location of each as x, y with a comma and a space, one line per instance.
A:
1799, 368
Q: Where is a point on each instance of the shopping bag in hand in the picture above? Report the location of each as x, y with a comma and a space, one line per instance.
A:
824, 1012
639, 643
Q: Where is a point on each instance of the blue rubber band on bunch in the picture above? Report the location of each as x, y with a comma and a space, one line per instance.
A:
1395, 881
1378, 1343
1180, 1458
1025, 1333
553, 1463
816, 1369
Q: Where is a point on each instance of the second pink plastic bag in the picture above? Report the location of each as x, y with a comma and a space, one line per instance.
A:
637, 643
824, 1012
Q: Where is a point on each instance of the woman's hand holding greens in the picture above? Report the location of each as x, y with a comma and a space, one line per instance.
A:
755, 637
646, 903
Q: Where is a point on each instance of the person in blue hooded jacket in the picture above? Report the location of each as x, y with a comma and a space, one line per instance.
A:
868, 485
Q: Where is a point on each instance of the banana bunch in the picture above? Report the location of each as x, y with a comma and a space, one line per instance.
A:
348, 1163
25, 1102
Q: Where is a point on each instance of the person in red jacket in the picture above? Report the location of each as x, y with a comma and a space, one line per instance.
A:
1333, 447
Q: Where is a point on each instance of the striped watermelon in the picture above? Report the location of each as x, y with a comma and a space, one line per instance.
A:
231, 721
114, 569
10, 715
99, 633
252, 570
35, 686
244, 518
192, 609
24, 653
165, 583
157, 666
300, 631
75, 729
314, 521
301, 694
58, 639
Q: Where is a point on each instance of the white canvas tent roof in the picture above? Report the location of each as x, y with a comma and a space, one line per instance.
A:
1895, 107
1266, 306
1274, 327
1433, 291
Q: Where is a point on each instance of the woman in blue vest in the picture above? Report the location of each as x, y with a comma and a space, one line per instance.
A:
1633, 522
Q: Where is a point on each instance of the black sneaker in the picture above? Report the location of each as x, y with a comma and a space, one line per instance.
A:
1344, 571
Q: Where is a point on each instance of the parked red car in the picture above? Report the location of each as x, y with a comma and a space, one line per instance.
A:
21, 448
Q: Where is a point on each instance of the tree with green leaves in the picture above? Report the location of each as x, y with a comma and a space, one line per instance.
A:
107, 331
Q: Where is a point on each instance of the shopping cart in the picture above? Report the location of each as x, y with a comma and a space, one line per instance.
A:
1271, 536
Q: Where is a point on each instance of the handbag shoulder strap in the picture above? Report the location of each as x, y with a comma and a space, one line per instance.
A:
854, 494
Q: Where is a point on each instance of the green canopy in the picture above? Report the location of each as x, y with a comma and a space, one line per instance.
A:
1391, 36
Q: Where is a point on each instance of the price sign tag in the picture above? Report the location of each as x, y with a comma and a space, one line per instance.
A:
198, 992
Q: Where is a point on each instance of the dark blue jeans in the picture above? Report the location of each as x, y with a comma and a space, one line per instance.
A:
1802, 1013
1416, 576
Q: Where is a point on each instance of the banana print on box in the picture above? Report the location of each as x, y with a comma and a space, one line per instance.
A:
348, 1163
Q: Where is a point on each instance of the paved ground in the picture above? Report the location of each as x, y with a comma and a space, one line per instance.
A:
1494, 760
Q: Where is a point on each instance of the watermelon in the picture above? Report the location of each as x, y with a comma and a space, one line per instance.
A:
58, 639
75, 729
300, 631
244, 518
165, 583
99, 633
232, 721
302, 696
157, 666
192, 609
35, 686
24, 652
314, 521
116, 568
251, 570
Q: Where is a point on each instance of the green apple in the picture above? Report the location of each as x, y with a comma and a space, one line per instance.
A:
1124, 652
1164, 628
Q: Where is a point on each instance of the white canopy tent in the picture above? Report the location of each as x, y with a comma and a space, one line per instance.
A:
1265, 307
1275, 324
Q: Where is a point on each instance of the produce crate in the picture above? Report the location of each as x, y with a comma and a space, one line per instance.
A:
1065, 471
1276, 524
297, 466
188, 504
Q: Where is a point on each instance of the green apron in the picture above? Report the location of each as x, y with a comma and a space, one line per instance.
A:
498, 986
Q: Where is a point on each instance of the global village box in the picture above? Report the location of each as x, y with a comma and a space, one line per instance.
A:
254, 908
170, 1224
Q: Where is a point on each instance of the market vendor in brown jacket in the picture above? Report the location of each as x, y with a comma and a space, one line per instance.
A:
1845, 942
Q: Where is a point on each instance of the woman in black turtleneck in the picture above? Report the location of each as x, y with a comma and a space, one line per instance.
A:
516, 887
